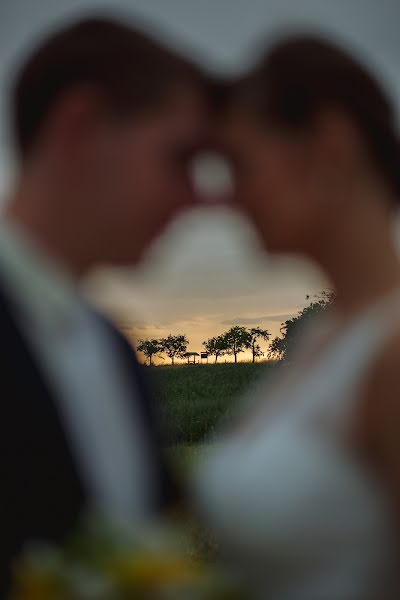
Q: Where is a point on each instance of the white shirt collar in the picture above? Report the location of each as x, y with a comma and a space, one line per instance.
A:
41, 289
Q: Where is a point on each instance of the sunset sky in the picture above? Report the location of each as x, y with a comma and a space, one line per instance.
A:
208, 271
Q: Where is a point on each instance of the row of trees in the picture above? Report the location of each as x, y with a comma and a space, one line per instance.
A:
234, 341
174, 346
238, 339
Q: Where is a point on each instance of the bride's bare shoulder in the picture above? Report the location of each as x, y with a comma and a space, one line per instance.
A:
378, 423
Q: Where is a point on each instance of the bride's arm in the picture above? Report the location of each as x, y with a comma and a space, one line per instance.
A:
377, 430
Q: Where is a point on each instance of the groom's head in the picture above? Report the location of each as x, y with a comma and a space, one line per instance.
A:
110, 119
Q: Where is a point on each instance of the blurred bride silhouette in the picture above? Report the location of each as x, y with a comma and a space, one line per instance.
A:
305, 492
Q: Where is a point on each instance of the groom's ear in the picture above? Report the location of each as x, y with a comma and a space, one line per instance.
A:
73, 119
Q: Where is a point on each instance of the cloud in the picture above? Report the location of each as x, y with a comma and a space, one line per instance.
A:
257, 320
280, 318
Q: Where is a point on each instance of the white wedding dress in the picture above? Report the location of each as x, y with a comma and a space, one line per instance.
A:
296, 509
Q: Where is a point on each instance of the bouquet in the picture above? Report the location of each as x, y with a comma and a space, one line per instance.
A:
103, 561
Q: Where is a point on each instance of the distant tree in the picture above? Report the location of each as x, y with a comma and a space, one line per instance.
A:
216, 346
237, 340
150, 348
281, 346
174, 346
278, 347
258, 334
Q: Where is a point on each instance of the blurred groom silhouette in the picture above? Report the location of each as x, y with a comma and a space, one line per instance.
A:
105, 122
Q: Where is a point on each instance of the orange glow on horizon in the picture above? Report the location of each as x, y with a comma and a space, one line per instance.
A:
196, 335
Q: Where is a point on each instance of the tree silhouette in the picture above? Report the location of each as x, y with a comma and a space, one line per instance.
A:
216, 346
237, 340
149, 348
174, 346
256, 334
281, 346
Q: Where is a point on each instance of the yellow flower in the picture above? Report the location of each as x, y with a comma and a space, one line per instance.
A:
35, 585
153, 571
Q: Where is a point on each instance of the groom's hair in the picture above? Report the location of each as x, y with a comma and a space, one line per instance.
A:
133, 73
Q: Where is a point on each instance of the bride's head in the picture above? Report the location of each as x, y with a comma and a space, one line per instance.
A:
313, 139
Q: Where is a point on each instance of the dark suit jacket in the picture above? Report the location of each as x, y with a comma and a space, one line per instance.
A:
41, 492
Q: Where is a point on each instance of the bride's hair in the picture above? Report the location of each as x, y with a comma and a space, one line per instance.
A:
303, 74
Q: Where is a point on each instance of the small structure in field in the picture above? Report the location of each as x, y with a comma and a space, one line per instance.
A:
191, 357
204, 356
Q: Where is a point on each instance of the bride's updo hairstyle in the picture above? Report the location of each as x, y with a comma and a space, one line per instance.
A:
304, 74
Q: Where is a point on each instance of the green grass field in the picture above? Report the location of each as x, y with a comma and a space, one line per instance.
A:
196, 400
